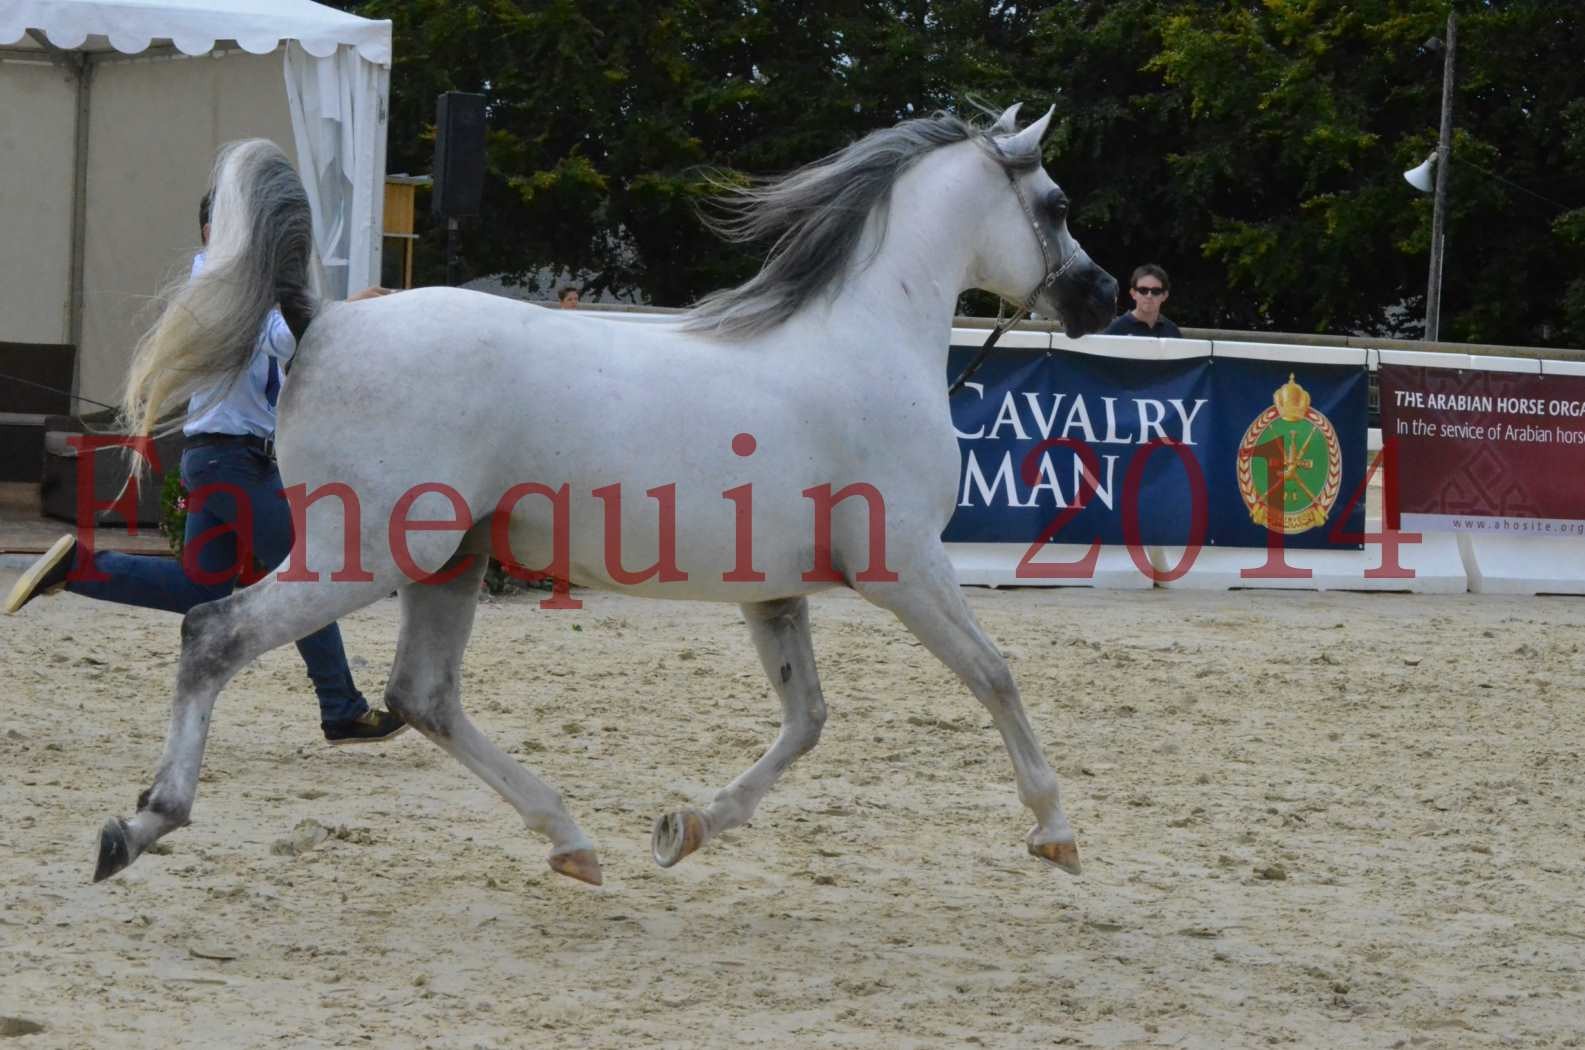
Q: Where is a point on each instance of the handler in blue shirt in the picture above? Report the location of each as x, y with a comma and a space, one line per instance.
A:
1149, 289
230, 434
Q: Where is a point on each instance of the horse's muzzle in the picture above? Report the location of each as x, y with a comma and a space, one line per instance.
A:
1086, 298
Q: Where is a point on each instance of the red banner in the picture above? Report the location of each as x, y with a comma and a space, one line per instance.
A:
1499, 452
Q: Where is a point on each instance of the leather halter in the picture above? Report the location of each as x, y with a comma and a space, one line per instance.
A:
1048, 281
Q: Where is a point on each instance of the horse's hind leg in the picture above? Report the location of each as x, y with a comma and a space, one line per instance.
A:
219, 638
929, 603
781, 634
425, 689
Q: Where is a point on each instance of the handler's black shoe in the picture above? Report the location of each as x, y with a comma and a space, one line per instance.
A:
371, 727
45, 576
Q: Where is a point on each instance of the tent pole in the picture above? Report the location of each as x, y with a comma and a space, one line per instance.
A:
81, 68
382, 91
74, 322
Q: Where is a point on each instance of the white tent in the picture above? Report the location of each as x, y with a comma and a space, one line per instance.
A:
110, 115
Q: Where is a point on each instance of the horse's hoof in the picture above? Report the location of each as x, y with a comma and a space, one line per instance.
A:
676, 835
115, 850
580, 864
1064, 855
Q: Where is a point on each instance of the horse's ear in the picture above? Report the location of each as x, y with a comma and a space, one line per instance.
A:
1028, 140
1007, 123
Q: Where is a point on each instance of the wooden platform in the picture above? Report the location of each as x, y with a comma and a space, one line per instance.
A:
25, 530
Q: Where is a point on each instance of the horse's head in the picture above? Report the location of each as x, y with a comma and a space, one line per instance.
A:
1028, 255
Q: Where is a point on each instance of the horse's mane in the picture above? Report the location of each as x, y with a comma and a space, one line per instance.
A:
817, 216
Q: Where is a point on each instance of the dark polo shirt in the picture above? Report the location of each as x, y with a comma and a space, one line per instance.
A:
1128, 324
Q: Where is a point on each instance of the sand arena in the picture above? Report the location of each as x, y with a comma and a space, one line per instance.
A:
1329, 820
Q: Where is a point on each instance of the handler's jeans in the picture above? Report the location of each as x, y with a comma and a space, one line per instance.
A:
162, 583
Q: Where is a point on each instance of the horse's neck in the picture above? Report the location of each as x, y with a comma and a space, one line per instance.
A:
911, 285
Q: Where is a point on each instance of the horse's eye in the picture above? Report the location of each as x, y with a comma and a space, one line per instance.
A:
1057, 205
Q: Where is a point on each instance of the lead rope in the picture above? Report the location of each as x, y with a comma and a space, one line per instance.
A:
985, 351
56, 390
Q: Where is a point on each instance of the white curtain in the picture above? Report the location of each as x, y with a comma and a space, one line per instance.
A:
338, 122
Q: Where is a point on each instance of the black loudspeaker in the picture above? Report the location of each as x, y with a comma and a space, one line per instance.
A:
459, 155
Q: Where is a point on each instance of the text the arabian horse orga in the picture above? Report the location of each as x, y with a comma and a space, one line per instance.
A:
783, 437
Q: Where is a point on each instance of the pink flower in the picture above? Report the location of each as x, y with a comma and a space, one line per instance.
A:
181, 504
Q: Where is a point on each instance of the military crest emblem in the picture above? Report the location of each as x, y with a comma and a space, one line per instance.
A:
1290, 465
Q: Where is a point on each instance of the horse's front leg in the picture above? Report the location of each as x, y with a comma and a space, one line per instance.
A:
781, 635
929, 603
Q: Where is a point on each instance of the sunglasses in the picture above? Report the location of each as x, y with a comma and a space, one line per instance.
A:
1150, 290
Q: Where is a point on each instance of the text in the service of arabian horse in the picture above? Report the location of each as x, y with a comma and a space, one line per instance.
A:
1485, 451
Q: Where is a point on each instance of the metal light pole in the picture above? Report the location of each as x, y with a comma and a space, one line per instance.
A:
1444, 146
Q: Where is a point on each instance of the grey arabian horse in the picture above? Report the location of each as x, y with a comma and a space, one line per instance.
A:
784, 437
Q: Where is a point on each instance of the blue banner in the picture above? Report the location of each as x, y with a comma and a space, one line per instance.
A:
1067, 447
1289, 435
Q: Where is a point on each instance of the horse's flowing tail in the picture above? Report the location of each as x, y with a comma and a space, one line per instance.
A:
261, 234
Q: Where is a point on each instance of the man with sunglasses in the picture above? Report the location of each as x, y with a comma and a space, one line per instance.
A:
1150, 289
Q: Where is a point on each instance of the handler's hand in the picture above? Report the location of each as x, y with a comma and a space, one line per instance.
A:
369, 293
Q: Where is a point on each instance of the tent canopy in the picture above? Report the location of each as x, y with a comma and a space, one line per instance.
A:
111, 112
193, 27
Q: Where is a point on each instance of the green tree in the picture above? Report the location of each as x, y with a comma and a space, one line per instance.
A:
604, 128
1570, 228
1253, 148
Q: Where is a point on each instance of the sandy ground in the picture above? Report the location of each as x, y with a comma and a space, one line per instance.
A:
1328, 820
